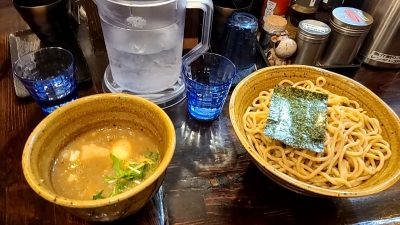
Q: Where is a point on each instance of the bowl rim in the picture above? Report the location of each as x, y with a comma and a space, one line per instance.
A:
308, 187
73, 203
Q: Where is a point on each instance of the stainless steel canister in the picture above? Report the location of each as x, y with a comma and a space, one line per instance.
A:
311, 38
380, 47
349, 28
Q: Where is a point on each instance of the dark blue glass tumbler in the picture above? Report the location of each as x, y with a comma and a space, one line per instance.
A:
208, 77
49, 76
239, 43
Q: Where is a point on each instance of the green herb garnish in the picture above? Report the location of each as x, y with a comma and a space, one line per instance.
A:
117, 166
118, 189
98, 195
126, 173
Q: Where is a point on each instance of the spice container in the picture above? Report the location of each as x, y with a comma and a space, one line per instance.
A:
302, 10
325, 9
272, 24
329, 5
275, 7
349, 29
311, 38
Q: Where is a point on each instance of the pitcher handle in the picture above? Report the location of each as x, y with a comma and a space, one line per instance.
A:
208, 9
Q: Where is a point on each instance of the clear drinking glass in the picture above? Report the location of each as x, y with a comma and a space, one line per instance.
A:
208, 77
49, 76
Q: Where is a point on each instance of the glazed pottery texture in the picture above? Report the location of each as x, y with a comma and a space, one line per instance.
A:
88, 113
250, 87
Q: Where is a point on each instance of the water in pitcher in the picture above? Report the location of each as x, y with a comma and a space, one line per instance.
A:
144, 61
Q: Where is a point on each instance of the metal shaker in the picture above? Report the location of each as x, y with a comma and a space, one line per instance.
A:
349, 29
311, 39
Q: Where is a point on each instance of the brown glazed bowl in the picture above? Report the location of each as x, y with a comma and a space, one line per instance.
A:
250, 87
96, 111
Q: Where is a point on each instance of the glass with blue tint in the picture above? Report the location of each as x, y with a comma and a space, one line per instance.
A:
49, 76
239, 43
208, 77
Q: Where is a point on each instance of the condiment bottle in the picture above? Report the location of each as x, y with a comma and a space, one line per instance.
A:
325, 9
349, 29
302, 10
272, 23
275, 7
311, 38
329, 5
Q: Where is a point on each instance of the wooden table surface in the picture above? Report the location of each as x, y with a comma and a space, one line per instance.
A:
211, 179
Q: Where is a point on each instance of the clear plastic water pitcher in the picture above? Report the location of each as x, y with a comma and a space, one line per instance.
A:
144, 41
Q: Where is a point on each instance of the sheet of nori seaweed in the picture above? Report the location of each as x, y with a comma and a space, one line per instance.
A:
297, 117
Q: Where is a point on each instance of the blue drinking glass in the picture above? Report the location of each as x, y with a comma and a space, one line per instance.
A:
239, 43
49, 76
208, 77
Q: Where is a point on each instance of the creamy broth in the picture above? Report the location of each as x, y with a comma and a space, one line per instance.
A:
84, 167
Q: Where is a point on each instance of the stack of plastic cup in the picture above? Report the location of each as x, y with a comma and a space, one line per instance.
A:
239, 43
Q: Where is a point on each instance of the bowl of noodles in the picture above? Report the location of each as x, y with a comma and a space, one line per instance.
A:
361, 145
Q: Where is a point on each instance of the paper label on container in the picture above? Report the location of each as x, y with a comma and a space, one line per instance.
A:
360, 14
312, 3
356, 15
307, 26
269, 10
385, 58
